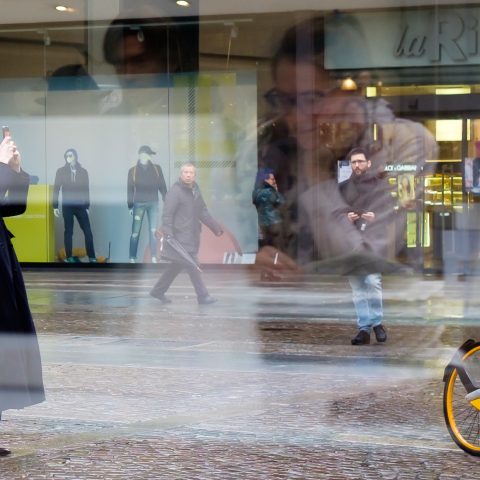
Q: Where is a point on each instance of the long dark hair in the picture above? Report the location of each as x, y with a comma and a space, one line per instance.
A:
304, 41
73, 151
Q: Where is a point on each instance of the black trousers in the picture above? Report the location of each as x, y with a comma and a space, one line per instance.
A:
171, 273
82, 217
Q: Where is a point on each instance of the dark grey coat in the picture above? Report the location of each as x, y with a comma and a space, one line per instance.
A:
21, 381
183, 213
329, 242
370, 193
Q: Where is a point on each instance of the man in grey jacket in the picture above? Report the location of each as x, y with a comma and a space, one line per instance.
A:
183, 213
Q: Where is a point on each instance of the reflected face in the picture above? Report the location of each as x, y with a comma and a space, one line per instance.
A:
270, 180
135, 59
317, 115
187, 175
360, 164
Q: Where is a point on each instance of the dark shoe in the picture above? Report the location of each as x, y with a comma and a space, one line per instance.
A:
206, 300
362, 338
380, 333
163, 299
4, 452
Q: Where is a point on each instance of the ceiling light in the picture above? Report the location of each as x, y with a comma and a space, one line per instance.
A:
182, 3
63, 8
348, 84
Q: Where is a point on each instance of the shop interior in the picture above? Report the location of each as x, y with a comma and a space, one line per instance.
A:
442, 99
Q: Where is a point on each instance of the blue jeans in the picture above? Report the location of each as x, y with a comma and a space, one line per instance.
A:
367, 298
139, 210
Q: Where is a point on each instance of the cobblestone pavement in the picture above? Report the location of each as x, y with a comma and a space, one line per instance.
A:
262, 385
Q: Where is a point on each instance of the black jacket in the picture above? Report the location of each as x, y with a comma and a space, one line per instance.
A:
75, 187
144, 183
184, 212
20, 366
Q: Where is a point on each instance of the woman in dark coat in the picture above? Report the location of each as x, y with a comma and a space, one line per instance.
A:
267, 199
21, 381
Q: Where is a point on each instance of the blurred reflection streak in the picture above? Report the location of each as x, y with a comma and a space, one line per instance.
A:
21, 372
42, 300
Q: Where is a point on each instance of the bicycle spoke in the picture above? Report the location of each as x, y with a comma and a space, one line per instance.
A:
471, 436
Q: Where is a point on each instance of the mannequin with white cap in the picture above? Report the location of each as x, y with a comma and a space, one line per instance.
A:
145, 180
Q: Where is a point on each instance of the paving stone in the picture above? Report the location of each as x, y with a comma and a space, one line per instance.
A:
262, 385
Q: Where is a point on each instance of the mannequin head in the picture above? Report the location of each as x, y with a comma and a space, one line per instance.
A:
71, 156
144, 158
145, 154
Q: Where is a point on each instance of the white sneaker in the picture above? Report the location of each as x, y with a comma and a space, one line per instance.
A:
132, 260
154, 259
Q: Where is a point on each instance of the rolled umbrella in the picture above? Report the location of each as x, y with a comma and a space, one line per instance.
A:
180, 253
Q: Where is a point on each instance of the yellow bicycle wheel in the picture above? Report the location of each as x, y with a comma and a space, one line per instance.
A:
461, 416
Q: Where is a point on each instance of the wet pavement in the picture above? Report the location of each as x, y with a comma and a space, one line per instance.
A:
262, 385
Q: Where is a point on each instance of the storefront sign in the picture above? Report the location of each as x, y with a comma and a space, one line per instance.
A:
400, 168
403, 38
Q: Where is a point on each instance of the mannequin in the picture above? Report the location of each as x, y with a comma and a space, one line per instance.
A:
145, 180
72, 179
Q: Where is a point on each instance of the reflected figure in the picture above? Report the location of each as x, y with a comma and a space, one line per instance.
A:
21, 382
183, 215
322, 123
71, 77
145, 41
267, 200
72, 180
144, 182
144, 46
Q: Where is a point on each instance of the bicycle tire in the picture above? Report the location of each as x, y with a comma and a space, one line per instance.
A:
462, 418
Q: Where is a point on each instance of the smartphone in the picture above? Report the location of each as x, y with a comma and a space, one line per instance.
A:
6, 131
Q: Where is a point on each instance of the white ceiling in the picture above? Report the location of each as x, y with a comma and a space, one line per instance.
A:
39, 11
